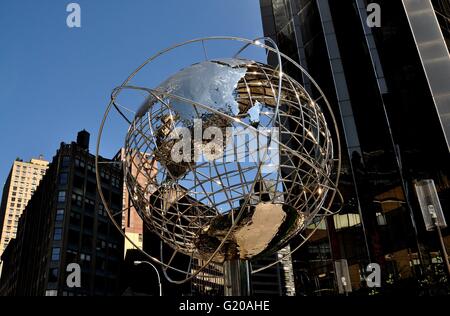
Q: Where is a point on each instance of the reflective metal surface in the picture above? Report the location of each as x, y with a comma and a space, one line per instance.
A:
228, 209
195, 202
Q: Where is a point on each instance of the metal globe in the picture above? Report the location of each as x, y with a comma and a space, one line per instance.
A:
257, 160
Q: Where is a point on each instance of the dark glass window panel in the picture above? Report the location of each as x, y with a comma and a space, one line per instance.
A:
80, 164
116, 199
86, 243
71, 256
88, 224
56, 252
57, 236
53, 275
65, 162
73, 238
77, 200
78, 182
59, 215
63, 178
61, 196
75, 218
91, 187
89, 206
103, 228
281, 12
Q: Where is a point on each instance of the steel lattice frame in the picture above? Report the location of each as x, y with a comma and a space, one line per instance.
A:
309, 161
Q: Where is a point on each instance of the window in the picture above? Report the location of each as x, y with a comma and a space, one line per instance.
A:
59, 215
58, 234
79, 163
77, 200
63, 178
65, 162
89, 205
51, 293
53, 275
88, 224
71, 255
102, 228
56, 252
74, 238
116, 199
86, 242
100, 263
346, 220
85, 257
61, 196
91, 187
101, 210
101, 244
115, 182
78, 182
75, 219
91, 167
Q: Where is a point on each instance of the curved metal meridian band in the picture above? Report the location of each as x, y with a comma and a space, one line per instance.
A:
247, 43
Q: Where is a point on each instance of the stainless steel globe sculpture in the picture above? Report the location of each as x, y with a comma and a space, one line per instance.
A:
258, 165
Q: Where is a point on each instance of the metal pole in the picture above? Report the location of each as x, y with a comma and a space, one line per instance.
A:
236, 277
157, 274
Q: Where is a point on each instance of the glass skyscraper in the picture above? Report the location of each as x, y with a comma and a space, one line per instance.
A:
389, 86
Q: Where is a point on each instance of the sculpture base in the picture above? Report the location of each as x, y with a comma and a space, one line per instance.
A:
236, 278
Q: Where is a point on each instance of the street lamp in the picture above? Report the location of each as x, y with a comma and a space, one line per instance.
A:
157, 273
432, 211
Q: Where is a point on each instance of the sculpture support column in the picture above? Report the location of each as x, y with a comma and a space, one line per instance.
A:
236, 278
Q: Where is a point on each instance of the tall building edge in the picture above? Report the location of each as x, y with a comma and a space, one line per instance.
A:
65, 226
379, 81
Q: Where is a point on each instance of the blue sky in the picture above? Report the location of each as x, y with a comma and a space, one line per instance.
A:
55, 81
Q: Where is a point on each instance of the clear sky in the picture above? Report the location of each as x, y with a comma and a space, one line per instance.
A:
55, 80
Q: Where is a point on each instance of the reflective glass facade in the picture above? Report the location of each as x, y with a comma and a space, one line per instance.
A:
392, 128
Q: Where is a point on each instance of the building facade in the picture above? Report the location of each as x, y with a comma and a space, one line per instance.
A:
132, 223
65, 223
391, 97
20, 185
